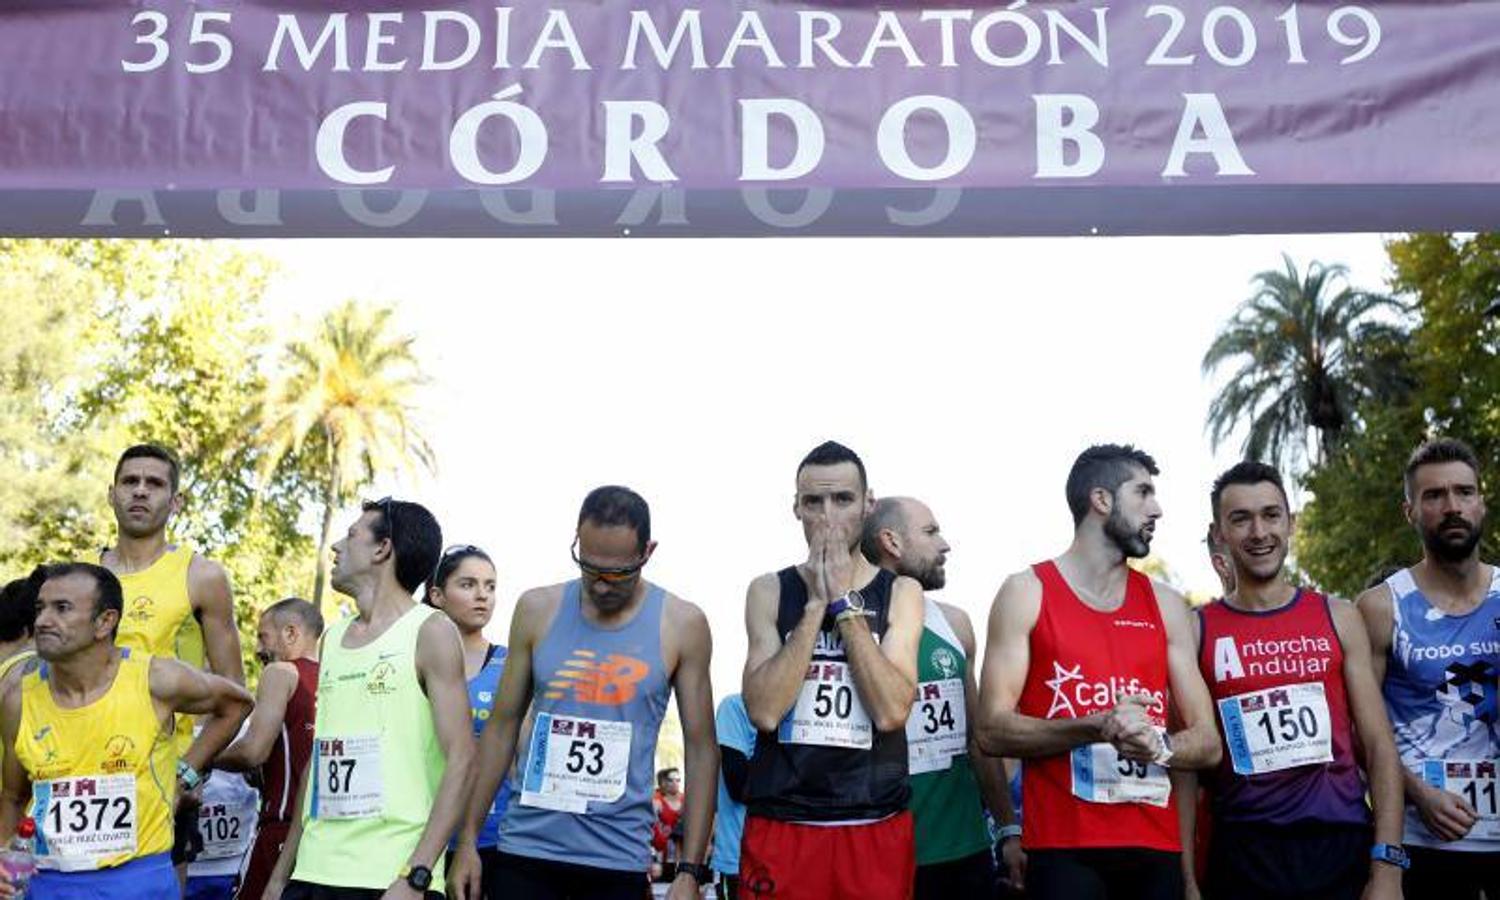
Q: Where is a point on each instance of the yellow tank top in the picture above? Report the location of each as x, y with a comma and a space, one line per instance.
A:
102, 776
5, 669
158, 618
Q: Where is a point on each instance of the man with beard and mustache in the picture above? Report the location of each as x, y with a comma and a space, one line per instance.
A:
951, 780
830, 677
278, 737
1435, 631
592, 664
1087, 663
1289, 671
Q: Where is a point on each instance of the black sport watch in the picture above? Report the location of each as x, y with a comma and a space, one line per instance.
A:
699, 872
418, 877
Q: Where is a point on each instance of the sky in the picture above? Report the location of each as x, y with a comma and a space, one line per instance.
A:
966, 372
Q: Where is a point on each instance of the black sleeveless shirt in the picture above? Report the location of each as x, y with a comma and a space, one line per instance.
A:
806, 783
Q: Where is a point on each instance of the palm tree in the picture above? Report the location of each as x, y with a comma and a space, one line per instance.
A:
1302, 375
346, 394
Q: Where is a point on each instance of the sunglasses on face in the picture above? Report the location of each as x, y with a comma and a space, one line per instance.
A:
608, 574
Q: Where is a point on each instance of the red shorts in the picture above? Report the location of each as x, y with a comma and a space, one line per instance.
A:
263, 858
788, 861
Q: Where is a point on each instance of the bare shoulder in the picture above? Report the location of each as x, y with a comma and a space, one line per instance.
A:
960, 622
763, 594
437, 627
1344, 613
680, 613
1019, 597
1375, 601
202, 570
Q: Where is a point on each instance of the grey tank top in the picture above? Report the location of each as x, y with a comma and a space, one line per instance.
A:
584, 773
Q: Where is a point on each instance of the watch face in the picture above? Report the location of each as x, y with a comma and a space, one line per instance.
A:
856, 601
420, 878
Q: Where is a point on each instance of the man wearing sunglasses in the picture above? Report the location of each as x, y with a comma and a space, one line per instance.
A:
594, 659
392, 748
829, 682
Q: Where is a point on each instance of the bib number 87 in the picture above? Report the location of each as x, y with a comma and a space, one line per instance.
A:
585, 756
338, 783
837, 700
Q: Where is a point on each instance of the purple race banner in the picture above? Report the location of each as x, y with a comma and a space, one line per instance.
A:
747, 116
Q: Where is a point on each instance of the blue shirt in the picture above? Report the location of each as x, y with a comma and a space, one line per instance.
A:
482, 689
736, 733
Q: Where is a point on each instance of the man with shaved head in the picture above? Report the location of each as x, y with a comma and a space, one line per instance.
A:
949, 774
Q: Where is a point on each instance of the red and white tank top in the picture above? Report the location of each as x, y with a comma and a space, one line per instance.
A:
1082, 660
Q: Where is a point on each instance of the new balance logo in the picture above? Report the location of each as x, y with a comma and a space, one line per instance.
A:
609, 682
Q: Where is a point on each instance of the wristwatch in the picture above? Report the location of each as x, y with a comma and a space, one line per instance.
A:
417, 877
1391, 854
1164, 755
699, 872
189, 775
851, 603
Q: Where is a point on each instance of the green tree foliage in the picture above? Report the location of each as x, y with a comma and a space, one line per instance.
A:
1299, 374
345, 398
115, 342
1445, 381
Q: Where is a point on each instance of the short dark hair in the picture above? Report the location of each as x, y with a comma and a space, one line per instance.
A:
887, 514
18, 605
303, 611
661, 774
1439, 450
448, 563
616, 505
151, 451
1103, 466
832, 453
415, 535
108, 594
1246, 472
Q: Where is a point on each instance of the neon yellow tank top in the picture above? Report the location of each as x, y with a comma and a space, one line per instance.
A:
158, 619
376, 761
102, 775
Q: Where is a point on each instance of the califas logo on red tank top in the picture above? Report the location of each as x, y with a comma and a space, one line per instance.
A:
1075, 695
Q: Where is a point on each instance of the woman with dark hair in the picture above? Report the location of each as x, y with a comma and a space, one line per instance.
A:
463, 587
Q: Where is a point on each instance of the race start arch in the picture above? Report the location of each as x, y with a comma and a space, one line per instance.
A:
282, 118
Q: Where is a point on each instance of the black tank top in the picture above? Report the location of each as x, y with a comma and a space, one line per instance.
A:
804, 783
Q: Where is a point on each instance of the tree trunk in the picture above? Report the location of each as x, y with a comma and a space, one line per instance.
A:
330, 501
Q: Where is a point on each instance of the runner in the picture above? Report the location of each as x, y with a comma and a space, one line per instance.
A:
226, 820
177, 602
463, 587
951, 780
1437, 654
829, 683
392, 747
94, 750
1289, 671
594, 661
666, 829
17, 645
278, 739
1087, 662
736, 744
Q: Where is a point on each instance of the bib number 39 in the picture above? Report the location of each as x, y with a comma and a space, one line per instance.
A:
1101, 775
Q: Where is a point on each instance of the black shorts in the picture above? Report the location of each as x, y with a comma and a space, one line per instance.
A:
1451, 874
489, 868
302, 890
968, 876
544, 879
1114, 873
1315, 861
727, 887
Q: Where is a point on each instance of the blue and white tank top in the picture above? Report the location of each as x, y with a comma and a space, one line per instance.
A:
586, 770
482, 689
1441, 691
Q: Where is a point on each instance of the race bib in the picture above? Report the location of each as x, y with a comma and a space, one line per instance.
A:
347, 782
1100, 775
1475, 781
1278, 728
84, 821
828, 711
225, 833
574, 761
937, 729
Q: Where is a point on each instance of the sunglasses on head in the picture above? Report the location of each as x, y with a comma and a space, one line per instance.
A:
455, 550
611, 574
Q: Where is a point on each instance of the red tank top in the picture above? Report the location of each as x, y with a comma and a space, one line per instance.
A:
1277, 681
280, 771
1081, 660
